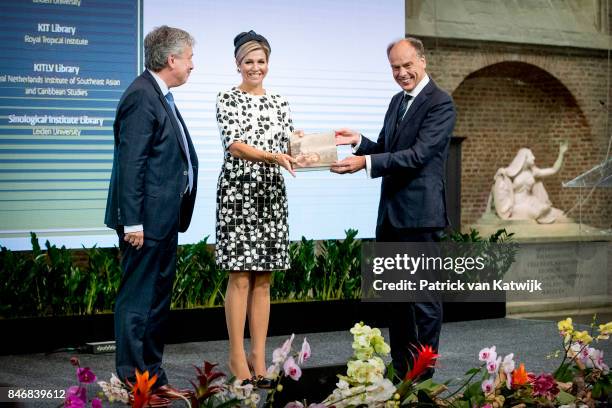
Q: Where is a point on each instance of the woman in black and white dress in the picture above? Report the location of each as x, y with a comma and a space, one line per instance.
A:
252, 231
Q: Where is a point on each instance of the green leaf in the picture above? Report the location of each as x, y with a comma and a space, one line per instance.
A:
426, 385
564, 373
597, 390
472, 371
565, 398
473, 390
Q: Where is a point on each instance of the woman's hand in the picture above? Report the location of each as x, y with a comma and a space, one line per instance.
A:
298, 133
285, 161
563, 147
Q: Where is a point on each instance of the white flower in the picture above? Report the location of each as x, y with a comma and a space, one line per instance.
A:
360, 329
493, 365
596, 359
280, 354
488, 386
487, 353
114, 390
381, 391
366, 371
508, 363
305, 353
240, 391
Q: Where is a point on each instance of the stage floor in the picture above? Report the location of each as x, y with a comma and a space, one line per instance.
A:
530, 341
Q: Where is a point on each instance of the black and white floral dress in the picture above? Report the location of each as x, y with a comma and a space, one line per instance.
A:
252, 230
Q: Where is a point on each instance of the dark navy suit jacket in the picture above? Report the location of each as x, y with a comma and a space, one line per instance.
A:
149, 174
411, 159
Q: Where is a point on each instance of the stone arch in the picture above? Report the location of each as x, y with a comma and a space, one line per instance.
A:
507, 105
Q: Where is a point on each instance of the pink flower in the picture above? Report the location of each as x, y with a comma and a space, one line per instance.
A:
76, 391
493, 365
280, 354
291, 369
96, 403
487, 406
85, 375
294, 404
488, 386
73, 401
487, 353
596, 359
544, 385
76, 397
304, 353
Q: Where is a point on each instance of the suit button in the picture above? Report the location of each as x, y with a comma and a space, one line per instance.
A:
185, 173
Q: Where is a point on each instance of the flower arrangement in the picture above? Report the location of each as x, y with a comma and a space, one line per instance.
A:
582, 379
365, 382
212, 388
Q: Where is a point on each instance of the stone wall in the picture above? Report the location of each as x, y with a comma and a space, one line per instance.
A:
510, 96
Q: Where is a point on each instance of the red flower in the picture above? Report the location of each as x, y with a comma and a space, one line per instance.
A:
142, 389
519, 376
544, 385
426, 358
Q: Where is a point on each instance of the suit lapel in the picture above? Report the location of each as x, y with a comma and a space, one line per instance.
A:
164, 102
390, 127
414, 108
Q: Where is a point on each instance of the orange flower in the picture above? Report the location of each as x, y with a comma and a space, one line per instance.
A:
142, 389
426, 358
519, 376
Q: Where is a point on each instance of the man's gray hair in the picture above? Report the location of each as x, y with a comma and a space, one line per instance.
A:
162, 42
415, 42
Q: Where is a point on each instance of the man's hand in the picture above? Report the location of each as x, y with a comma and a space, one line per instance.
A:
347, 137
349, 165
135, 239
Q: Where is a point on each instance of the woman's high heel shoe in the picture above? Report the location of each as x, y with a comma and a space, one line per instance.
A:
264, 383
244, 382
260, 381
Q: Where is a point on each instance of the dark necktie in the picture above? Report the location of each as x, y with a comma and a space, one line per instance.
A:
402, 108
170, 99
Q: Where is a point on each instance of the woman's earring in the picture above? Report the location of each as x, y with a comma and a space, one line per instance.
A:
238, 70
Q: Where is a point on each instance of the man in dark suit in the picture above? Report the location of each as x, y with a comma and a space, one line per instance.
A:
150, 200
410, 155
